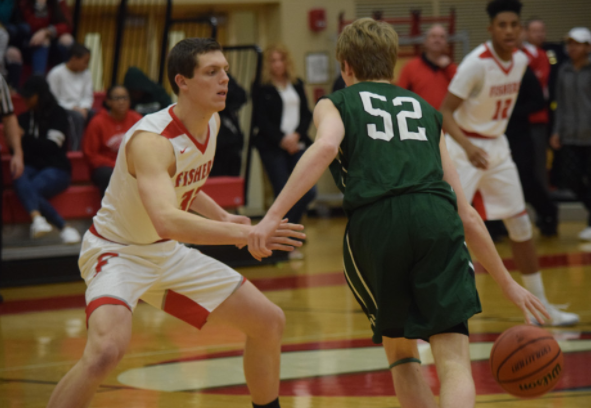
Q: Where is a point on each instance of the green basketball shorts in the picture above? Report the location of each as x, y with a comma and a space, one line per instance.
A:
408, 266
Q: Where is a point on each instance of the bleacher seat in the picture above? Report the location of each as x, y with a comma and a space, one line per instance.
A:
82, 199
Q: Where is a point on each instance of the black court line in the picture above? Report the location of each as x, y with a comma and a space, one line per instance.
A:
102, 388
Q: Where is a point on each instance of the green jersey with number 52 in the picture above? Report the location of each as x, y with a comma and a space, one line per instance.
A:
391, 145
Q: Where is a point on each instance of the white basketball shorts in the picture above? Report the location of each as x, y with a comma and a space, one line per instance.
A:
495, 192
168, 275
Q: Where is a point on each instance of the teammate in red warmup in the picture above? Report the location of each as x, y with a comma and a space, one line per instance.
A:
132, 250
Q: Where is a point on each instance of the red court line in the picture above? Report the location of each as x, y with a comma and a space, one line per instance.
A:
276, 283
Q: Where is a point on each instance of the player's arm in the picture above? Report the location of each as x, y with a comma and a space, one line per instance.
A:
481, 244
151, 161
203, 204
310, 167
450, 104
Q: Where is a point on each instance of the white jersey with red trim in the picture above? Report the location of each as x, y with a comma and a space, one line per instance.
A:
489, 88
122, 217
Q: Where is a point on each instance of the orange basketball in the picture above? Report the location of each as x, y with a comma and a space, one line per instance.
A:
526, 361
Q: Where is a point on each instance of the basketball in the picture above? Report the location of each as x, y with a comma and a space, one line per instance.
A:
526, 361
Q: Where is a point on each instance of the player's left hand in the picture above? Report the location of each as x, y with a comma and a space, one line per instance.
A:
272, 234
524, 300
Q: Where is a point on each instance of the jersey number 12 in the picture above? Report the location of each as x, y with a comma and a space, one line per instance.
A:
401, 118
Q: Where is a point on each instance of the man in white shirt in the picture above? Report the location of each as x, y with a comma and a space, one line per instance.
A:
71, 84
476, 111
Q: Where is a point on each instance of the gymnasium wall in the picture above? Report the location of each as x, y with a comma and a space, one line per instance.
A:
266, 21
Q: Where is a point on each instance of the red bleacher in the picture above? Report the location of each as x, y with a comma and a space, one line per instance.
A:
82, 198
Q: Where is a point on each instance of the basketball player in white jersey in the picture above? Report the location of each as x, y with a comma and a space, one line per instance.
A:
476, 111
132, 251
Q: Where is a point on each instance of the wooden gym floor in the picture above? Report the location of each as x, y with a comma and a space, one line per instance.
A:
328, 360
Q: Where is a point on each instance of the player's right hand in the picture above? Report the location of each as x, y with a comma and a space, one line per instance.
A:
270, 235
525, 301
477, 156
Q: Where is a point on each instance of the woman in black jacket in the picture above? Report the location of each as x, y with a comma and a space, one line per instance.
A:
282, 118
47, 168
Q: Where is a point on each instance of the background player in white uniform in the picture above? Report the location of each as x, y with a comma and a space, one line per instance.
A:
476, 111
132, 250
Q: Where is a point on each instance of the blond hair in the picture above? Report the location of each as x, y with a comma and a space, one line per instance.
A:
290, 75
370, 48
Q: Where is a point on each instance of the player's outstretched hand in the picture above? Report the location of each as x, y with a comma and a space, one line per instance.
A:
477, 156
270, 235
524, 300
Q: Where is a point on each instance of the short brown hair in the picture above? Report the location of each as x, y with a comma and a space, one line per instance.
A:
287, 59
182, 59
370, 47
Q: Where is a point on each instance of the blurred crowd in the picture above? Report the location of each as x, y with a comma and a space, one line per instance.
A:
549, 132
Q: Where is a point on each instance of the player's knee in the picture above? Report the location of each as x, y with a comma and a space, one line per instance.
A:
274, 324
519, 228
104, 358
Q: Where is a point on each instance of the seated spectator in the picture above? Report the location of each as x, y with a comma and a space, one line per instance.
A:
71, 84
49, 32
146, 95
230, 140
47, 168
105, 133
11, 35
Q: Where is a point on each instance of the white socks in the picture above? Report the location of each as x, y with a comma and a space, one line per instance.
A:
534, 284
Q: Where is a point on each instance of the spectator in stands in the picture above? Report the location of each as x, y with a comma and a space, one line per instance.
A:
71, 84
535, 34
105, 133
282, 117
146, 95
13, 137
521, 141
47, 168
12, 34
539, 121
230, 140
50, 31
572, 127
430, 74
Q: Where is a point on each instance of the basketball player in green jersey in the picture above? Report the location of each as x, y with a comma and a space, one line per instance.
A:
404, 252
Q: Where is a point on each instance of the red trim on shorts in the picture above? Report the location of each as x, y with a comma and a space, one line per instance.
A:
106, 300
182, 307
476, 135
94, 232
478, 203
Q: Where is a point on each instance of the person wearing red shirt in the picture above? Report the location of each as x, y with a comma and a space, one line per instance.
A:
50, 25
430, 74
104, 135
540, 64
